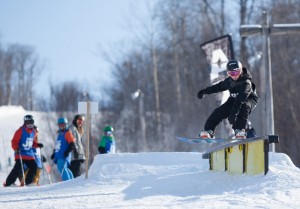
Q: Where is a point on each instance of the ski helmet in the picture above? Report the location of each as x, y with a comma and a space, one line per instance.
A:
233, 65
62, 120
28, 118
108, 128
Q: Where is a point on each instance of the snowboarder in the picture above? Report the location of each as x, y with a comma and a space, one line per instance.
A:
23, 142
242, 100
63, 147
78, 156
107, 143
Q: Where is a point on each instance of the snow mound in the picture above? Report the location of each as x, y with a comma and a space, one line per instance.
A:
8, 110
148, 180
163, 180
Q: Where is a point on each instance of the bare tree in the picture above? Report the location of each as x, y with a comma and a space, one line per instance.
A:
23, 61
6, 63
65, 96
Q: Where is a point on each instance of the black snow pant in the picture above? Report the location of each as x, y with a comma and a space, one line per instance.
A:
224, 111
75, 167
17, 171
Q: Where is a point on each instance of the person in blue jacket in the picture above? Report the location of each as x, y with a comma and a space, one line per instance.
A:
65, 143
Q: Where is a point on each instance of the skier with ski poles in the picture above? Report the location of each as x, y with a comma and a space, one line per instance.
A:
24, 139
63, 147
242, 100
39, 159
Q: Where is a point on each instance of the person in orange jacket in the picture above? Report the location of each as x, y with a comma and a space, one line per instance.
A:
23, 142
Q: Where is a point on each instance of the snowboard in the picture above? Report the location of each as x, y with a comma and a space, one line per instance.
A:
269, 138
204, 140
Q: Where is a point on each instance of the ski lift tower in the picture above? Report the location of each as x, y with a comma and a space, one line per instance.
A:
265, 74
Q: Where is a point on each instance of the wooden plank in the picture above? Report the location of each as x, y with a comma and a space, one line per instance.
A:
235, 159
217, 161
255, 158
249, 156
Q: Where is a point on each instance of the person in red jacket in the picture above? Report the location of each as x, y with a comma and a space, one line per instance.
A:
25, 138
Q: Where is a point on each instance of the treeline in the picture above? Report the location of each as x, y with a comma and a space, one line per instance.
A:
19, 68
166, 69
169, 69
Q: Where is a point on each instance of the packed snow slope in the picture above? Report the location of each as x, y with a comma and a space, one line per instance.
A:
163, 180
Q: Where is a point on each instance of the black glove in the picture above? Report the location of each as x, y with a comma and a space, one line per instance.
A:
43, 158
52, 156
66, 154
40, 145
75, 154
232, 118
201, 94
101, 150
69, 149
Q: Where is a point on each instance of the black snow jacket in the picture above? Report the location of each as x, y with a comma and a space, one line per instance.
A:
242, 90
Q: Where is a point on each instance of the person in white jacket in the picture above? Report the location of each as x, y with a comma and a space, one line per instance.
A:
78, 155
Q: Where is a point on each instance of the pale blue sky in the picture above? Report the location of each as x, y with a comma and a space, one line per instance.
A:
67, 33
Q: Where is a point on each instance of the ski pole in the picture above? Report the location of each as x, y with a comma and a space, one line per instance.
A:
62, 172
22, 166
48, 173
5, 156
43, 168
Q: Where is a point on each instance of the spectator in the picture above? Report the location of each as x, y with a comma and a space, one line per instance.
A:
78, 156
23, 142
39, 161
107, 143
65, 143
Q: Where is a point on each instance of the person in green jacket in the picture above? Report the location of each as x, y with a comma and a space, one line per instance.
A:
107, 143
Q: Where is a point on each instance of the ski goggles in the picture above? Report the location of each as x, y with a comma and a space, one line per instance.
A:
108, 132
62, 125
29, 125
234, 73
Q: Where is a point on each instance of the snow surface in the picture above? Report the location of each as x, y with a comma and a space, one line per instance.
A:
161, 180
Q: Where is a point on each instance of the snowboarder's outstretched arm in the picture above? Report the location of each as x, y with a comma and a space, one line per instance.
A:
221, 86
